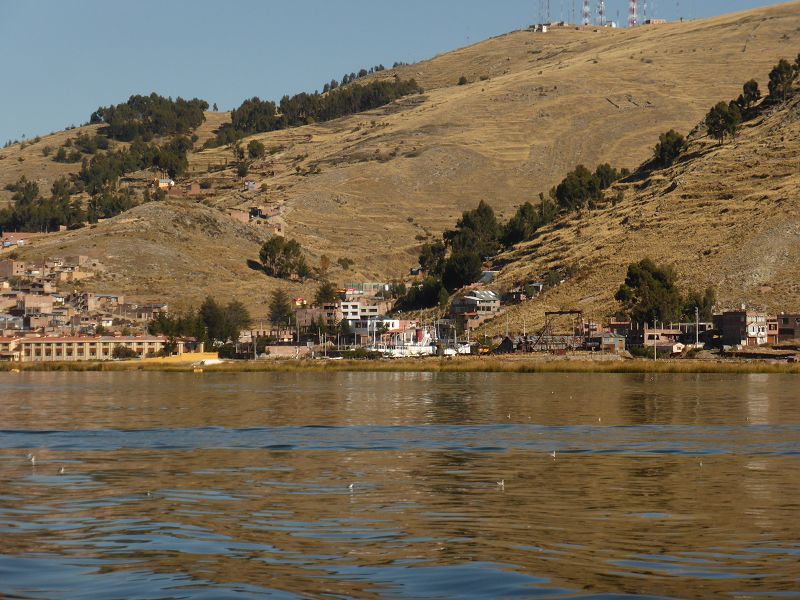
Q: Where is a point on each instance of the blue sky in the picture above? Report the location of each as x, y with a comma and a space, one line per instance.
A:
61, 59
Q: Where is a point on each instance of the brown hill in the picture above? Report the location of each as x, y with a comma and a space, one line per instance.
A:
373, 186
727, 216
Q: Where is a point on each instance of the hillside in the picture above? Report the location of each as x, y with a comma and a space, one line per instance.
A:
726, 216
373, 186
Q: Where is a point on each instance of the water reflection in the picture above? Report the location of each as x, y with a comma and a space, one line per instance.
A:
680, 486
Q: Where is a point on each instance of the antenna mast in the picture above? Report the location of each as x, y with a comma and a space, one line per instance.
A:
632, 20
601, 12
587, 12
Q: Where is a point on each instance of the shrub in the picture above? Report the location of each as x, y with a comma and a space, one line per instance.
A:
121, 352
255, 149
670, 146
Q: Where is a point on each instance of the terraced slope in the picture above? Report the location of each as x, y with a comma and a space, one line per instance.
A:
726, 216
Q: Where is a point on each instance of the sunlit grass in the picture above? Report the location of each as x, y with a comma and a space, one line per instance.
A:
433, 365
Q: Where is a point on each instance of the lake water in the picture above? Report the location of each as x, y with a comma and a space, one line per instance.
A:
239, 485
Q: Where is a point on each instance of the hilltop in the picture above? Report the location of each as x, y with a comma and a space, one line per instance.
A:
373, 187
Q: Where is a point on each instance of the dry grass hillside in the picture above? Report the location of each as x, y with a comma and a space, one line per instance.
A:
28, 158
726, 216
367, 187
374, 186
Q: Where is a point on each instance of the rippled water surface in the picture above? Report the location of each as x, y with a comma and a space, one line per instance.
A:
399, 485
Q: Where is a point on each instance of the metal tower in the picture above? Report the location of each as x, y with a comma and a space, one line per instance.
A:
587, 12
632, 20
601, 12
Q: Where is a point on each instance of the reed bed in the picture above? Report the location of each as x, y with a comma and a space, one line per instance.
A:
431, 365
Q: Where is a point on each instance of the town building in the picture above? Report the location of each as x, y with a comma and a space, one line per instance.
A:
788, 327
82, 348
606, 342
479, 302
742, 328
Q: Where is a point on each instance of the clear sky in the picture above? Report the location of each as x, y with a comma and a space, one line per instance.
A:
61, 59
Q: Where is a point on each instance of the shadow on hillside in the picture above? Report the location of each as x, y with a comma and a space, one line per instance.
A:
255, 265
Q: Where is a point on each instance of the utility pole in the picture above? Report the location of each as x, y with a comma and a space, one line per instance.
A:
696, 326
655, 346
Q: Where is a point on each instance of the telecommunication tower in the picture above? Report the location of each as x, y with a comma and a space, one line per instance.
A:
632, 19
587, 12
601, 12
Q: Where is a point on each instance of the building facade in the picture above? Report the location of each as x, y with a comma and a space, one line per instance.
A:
81, 348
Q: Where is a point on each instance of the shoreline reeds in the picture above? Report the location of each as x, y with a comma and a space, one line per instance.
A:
430, 365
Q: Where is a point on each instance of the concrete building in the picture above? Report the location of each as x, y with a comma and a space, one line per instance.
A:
607, 342
788, 327
12, 268
485, 303
742, 328
80, 348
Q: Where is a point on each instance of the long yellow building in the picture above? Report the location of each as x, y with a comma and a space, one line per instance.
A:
70, 349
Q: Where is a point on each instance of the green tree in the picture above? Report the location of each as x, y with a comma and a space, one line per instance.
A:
212, 316
704, 301
460, 269
326, 293
224, 323
428, 294
255, 149
462, 80
476, 231
750, 94
432, 257
121, 352
723, 120
780, 80
283, 258
236, 318
606, 175
242, 168
280, 307
650, 293
578, 189
670, 146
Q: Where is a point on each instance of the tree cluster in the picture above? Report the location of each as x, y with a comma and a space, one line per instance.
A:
581, 188
283, 258
430, 292
148, 116
212, 322
723, 120
527, 220
105, 169
31, 212
670, 146
457, 259
258, 116
351, 77
650, 293
188, 324
781, 78
90, 144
